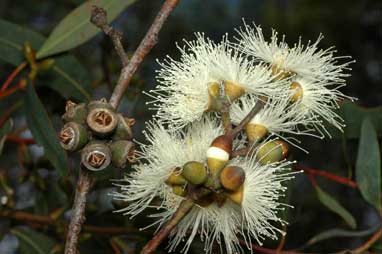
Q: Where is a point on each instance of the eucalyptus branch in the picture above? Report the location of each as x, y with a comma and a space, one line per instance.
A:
99, 18
84, 184
182, 211
143, 49
258, 106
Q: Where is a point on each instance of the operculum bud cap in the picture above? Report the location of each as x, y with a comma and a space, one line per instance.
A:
195, 172
219, 152
255, 132
232, 178
272, 151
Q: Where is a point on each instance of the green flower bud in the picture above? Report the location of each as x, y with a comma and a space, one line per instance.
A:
96, 156
272, 151
218, 154
73, 136
176, 179
255, 132
195, 172
75, 112
122, 151
232, 178
179, 190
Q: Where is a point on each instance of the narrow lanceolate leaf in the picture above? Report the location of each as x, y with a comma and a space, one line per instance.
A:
32, 242
368, 165
43, 131
76, 28
339, 232
69, 77
335, 207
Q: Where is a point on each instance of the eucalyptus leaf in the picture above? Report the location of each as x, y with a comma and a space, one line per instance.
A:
43, 131
32, 242
68, 76
335, 207
76, 27
354, 115
339, 232
368, 165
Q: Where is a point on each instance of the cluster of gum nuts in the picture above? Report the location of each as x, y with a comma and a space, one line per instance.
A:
102, 135
215, 180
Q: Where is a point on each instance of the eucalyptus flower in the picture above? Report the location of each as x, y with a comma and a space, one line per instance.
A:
307, 61
250, 213
189, 86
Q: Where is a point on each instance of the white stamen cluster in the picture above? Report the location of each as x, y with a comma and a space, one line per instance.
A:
184, 128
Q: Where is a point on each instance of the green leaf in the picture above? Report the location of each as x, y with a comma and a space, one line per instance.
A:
354, 115
4, 130
368, 165
335, 207
33, 242
70, 78
339, 232
43, 131
76, 27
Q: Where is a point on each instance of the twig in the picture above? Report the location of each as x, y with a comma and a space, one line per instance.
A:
182, 211
99, 18
84, 183
144, 47
226, 118
259, 105
47, 220
327, 175
12, 76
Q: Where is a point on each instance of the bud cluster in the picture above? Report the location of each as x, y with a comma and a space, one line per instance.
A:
102, 135
217, 180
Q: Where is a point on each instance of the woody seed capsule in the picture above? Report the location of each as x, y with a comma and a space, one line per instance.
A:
73, 136
96, 156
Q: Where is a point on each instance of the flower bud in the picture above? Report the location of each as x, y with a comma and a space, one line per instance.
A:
75, 112
194, 172
232, 178
179, 190
255, 132
237, 196
219, 152
123, 130
73, 136
96, 156
176, 179
102, 119
298, 92
122, 151
232, 91
272, 151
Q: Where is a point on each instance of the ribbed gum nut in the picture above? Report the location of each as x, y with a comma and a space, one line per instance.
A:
102, 121
96, 156
255, 132
218, 153
123, 130
176, 179
237, 196
280, 73
233, 90
232, 178
75, 112
73, 136
122, 151
179, 190
195, 172
298, 91
272, 151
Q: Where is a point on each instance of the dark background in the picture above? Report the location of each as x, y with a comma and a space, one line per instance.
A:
354, 27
